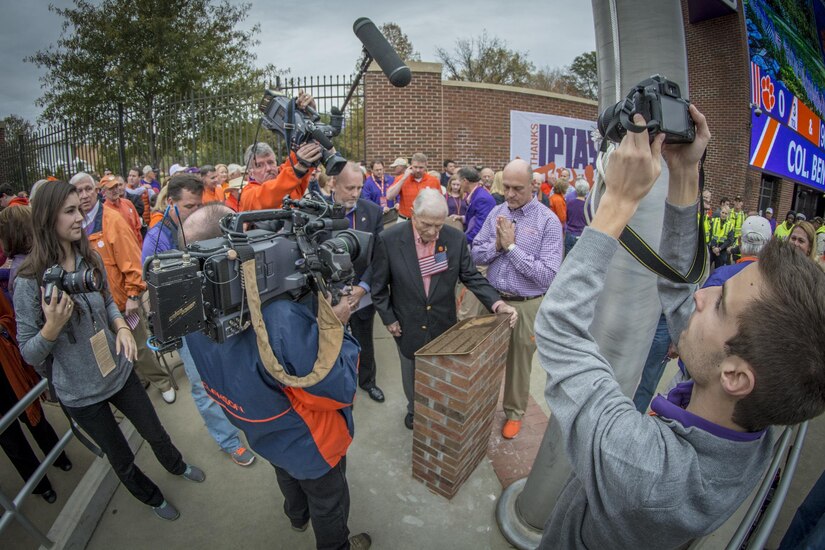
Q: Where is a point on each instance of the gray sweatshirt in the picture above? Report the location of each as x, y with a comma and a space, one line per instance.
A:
75, 374
638, 481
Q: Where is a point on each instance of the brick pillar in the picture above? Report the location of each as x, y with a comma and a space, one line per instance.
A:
457, 381
403, 121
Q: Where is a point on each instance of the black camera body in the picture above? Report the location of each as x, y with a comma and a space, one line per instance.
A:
87, 279
661, 104
282, 116
201, 288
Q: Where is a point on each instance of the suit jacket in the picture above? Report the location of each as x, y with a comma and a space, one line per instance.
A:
480, 205
398, 289
370, 218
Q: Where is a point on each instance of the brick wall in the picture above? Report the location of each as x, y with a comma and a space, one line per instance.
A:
455, 401
466, 122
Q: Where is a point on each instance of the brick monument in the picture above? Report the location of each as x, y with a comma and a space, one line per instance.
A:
457, 381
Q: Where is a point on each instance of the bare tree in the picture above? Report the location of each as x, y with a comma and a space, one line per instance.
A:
398, 40
486, 59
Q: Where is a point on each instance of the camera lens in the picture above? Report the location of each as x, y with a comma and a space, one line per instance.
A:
83, 280
608, 117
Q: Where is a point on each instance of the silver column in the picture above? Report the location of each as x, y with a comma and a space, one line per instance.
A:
634, 40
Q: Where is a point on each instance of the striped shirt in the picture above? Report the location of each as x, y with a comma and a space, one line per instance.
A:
531, 266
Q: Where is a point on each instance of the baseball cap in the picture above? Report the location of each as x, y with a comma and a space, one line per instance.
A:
801, 217
175, 168
756, 230
235, 183
400, 161
148, 168
769, 210
107, 182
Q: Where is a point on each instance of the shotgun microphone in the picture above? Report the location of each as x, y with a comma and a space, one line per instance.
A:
382, 52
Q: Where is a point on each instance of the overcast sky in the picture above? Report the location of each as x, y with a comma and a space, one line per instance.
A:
314, 37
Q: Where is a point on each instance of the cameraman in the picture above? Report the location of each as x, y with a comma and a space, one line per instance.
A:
269, 183
660, 481
303, 432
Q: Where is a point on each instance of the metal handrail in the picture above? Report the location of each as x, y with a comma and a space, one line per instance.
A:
768, 520
12, 506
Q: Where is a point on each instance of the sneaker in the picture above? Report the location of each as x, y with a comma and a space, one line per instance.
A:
511, 429
193, 473
166, 511
242, 457
361, 541
169, 395
299, 528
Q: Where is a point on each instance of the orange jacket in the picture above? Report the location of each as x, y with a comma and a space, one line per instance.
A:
155, 219
271, 193
559, 207
121, 257
410, 189
232, 202
130, 215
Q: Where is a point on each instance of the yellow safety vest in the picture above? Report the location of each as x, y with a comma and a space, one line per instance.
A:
782, 232
720, 230
738, 219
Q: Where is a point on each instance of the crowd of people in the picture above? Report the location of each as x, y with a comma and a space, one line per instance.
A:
448, 245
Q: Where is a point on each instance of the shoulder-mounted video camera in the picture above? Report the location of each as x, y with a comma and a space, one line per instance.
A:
202, 288
282, 116
660, 102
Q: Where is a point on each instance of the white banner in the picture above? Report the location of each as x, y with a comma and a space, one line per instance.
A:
551, 142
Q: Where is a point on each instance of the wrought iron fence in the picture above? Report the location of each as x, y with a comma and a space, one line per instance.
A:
191, 130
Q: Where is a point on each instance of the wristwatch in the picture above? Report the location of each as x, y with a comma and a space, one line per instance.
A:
510, 247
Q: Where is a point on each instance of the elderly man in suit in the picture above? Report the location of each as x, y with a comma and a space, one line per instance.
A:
363, 215
416, 268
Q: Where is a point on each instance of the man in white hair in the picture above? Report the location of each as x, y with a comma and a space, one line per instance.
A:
415, 270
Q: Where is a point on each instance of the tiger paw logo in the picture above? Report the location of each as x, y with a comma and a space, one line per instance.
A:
768, 99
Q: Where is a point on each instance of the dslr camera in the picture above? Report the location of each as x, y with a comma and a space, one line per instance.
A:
282, 116
660, 102
87, 279
201, 288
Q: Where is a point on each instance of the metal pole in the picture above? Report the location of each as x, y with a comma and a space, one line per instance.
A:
192, 119
22, 155
121, 141
634, 39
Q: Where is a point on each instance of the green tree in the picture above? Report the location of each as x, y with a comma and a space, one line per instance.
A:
398, 40
486, 59
144, 54
583, 75
16, 125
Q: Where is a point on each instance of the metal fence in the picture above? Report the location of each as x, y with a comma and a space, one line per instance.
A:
191, 131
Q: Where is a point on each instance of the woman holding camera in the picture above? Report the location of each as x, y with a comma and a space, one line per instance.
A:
87, 344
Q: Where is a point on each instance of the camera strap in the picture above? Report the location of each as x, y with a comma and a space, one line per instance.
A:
330, 335
637, 247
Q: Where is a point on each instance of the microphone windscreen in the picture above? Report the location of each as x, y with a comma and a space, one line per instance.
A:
382, 52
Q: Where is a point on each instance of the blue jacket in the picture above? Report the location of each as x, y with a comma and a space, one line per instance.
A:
481, 203
305, 431
161, 237
372, 191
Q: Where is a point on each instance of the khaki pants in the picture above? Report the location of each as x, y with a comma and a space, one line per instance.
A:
520, 359
146, 364
468, 304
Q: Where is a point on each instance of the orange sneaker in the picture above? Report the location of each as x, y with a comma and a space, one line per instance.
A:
511, 429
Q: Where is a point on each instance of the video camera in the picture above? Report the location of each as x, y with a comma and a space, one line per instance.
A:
660, 102
282, 116
201, 288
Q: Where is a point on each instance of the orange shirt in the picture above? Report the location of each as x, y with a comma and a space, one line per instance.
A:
559, 207
271, 193
410, 189
212, 195
127, 210
232, 203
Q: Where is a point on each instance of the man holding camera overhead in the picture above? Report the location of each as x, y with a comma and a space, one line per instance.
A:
268, 182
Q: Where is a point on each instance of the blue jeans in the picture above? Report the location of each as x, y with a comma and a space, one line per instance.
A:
219, 427
807, 529
654, 366
569, 242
